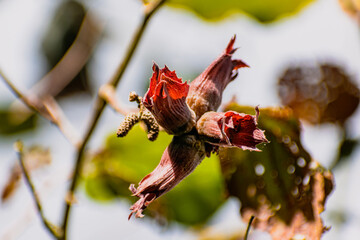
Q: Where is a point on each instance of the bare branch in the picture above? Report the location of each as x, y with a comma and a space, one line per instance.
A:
107, 92
40, 96
60, 120
55, 231
100, 104
49, 109
34, 103
72, 62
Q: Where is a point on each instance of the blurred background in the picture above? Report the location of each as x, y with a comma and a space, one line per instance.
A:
303, 54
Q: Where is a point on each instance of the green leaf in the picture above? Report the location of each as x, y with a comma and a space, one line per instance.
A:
264, 11
196, 198
14, 121
127, 160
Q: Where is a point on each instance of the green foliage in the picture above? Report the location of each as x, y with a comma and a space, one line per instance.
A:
13, 121
278, 183
127, 160
196, 198
264, 11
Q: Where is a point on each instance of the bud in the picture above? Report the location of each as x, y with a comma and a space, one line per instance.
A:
179, 159
206, 90
231, 129
166, 100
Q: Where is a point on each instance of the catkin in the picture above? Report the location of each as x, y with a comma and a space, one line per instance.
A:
151, 124
129, 121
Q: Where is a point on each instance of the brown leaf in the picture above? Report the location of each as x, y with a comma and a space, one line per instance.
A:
351, 7
319, 94
11, 184
300, 225
281, 186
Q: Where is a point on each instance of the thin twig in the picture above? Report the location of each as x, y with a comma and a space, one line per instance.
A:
74, 59
99, 106
60, 120
54, 81
33, 104
47, 108
248, 227
107, 92
49, 226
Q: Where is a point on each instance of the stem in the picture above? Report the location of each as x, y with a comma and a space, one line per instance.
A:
24, 99
50, 227
48, 108
99, 107
107, 92
248, 227
74, 59
61, 121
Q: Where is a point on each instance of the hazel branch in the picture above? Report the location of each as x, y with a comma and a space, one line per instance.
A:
107, 92
100, 104
74, 59
60, 120
47, 108
54, 81
34, 103
49, 226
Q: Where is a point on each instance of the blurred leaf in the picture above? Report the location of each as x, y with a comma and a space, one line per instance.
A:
11, 184
351, 7
208, 234
264, 11
60, 35
319, 94
278, 185
196, 198
14, 121
35, 157
127, 160
339, 216
346, 148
